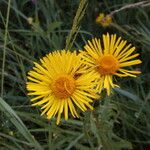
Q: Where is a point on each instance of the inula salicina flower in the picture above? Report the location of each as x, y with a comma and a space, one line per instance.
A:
58, 87
104, 20
109, 58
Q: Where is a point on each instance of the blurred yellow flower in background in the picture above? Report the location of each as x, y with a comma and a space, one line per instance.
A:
59, 86
104, 20
109, 58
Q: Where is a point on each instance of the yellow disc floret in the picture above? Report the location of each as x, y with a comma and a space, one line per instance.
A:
107, 65
63, 86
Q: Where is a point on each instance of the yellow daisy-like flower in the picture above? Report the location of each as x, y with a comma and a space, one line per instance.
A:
59, 86
104, 20
109, 59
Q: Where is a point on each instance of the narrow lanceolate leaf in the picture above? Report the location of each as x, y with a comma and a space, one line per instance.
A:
17, 122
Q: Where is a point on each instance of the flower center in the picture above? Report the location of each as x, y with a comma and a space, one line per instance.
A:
63, 86
107, 64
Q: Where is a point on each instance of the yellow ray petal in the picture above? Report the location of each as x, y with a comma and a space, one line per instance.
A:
126, 54
106, 41
79, 104
66, 109
119, 48
130, 63
60, 112
43, 70
71, 107
99, 47
32, 79
128, 58
116, 44
38, 76
84, 101
36, 98
47, 107
129, 73
112, 43
91, 50
53, 108
107, 85
44, 100
40, 93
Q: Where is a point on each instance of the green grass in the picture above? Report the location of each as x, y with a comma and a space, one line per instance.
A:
118, 122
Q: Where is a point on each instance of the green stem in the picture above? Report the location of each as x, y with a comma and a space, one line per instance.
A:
4, 51
76, 24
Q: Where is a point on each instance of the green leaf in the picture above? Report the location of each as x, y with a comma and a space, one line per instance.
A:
52, 26
127, 94
17, 122
74, 142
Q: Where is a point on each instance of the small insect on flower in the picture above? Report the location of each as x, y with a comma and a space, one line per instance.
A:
104, 20
59, 86
110, 59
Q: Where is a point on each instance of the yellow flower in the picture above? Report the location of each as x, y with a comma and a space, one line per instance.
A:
59, 86
104, 20
109, 58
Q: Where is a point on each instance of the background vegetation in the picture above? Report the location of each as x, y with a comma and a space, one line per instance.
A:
118, 122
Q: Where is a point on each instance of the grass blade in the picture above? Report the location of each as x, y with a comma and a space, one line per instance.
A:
17, 122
